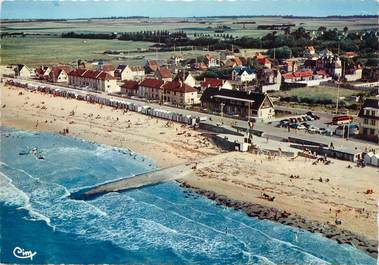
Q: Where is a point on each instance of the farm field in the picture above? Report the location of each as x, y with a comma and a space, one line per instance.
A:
188, 25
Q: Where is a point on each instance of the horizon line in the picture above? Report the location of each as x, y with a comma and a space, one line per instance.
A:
211, 16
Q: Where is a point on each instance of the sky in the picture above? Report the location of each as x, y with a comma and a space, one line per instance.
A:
26, 9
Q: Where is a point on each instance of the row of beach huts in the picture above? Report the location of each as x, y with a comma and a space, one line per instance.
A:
111, 102
372, 159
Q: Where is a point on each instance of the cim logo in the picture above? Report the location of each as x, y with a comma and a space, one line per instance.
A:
23, 254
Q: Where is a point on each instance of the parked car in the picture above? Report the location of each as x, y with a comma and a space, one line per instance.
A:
293, 125
313, 129
301, 127
321, 131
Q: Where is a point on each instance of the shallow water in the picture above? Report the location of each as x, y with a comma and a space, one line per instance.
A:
156, 224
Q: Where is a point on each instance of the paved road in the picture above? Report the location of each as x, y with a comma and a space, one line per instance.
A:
268, 129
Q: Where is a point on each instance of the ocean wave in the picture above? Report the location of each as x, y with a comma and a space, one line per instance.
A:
11, 195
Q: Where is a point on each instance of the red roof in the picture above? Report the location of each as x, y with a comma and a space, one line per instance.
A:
298, 74
108, 68
130, 85
91, 74
77, 72
177, 86
263, 60
238, 61
40, 71
165, 72
105, 76
56, 70
212, 82
152, 83
153, 65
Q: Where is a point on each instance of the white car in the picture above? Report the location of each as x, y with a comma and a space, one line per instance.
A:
301, 127
313, 129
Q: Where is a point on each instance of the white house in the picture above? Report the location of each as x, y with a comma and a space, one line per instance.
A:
211, 61
22, 71
186, 78
93, 80
243, 74
126, 72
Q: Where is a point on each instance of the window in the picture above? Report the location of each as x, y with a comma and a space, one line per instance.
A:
365, 121
373, 122
372, 131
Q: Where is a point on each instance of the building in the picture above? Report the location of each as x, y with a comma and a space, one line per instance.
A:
150, 89
58, 74
307, 77
130, 88
353, 74
126, 72
151, 66
93, 80
215, 83
211, 61
22, 71
243, 74
233, 62
369, 120
331, 64
270, 80
42, 72
179, 93
309, 52
263, 60
290, 66
164, 74
238, 103
107, 68
186, 77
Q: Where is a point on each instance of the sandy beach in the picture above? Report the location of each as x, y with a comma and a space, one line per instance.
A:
168, 144
319, 192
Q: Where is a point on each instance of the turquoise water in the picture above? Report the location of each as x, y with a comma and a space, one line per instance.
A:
157, 224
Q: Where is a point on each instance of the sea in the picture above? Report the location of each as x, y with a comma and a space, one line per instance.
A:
161, 224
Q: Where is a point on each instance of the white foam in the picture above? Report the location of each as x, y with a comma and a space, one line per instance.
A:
11, 195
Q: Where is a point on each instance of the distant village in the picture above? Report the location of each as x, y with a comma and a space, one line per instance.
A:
241, 88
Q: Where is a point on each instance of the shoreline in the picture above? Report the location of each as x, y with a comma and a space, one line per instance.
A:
330, 231
234, 183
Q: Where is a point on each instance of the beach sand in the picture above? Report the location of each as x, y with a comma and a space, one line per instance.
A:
238, 176
168, 144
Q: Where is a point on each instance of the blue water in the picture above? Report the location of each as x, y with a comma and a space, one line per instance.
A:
157, 224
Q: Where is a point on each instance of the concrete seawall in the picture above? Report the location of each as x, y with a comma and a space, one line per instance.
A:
138, 181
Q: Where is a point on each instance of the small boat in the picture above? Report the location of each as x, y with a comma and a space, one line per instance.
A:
23, 153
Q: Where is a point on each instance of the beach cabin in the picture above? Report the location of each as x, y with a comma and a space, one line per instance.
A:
368, 158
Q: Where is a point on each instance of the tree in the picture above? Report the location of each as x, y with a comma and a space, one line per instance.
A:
280, 53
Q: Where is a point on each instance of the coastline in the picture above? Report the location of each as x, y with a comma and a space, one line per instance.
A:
262, 212
172, 144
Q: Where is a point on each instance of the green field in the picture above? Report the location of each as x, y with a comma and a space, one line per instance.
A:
34, 51
40, 50
318, 93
